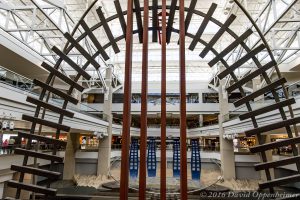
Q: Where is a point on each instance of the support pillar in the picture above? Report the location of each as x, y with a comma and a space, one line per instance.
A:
267, 139
70, 162
200, 120
78, 94
226, 146
256, 83
104, 148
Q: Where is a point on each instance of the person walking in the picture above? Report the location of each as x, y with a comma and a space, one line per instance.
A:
11, 144
4, 146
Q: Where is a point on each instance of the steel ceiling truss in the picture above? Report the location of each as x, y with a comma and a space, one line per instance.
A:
281, 30
41, 27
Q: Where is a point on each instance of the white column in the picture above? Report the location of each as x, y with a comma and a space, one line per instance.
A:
70, 162
256, 83
267, 139
201, 120
226, 146
104, 150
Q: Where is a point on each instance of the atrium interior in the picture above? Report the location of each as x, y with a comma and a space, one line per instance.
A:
149, 99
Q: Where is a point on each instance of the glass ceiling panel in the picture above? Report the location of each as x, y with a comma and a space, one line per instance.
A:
22, 17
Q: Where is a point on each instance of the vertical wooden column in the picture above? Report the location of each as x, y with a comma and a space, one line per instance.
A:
183, 150
163, 157
126, 106
143, 137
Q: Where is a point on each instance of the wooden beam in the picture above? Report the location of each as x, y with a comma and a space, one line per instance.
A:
55, 91
280, 181
107, 30
163, 145
266, 109
127, 105
277, 163
94, 40
241, 61
71, 63
50, 107
273, 126
154, 20
45, 123
183, 149
62, 77
190, 14
203, 26
36, 171
144, 109
32, 188
273, 145
232, 46
250, 76
120, 15
35, 154
217, 36
171, 19
42, 139
138, 15
82, 50
267, 88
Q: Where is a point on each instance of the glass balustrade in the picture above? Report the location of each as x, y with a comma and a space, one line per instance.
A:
16, 80
19, 82
42, 147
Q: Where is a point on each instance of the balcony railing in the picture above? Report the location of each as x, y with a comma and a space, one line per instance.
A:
9, 149
20, 82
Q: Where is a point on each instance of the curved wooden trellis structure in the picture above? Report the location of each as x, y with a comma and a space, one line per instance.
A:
42, 104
